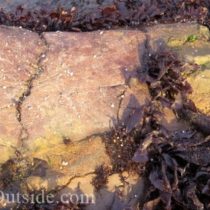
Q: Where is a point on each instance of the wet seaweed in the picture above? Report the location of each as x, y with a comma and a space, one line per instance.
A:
175, 163
162, 72
78, 16
14, 171
13, 179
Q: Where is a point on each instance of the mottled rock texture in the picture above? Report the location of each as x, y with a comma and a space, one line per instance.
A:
84, 85
201, 90
19, 54
66, 85
60, 91
64, 89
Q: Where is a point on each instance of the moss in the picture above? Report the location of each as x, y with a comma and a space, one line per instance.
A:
192, 38
175, 42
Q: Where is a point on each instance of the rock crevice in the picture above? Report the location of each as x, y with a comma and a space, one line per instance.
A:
24, 135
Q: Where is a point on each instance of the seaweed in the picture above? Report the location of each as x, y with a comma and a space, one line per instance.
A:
101, 179
162, 72
120, 146
79, 16
14, 170
177, 165
13, 179
67, 140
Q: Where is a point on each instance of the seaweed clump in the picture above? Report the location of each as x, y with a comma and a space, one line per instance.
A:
176, 164
120, 146
101, 179
77, 16
162, 72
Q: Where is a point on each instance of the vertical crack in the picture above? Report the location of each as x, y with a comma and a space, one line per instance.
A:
121, 99
24, 135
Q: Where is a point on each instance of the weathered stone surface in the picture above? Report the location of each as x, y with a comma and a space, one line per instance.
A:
73, 159
178, 36
200, 82
85, 88
19, 52
83, 83
191, 41
169, 121
88, 82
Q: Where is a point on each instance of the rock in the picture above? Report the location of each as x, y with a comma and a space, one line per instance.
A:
74, 159
18, 62
179, 36
169, 121
189, 40
200, 82
83, 86
36, 183
61, 91
65, 95
76, 87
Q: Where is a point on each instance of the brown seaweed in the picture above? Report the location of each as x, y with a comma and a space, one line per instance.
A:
177, 165
101, 178
106, 14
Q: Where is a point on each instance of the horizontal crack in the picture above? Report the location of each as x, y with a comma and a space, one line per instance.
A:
60, 188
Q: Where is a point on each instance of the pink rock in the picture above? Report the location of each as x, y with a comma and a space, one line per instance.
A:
83, 83
19, 52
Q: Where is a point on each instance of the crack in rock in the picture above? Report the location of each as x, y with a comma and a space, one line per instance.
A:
29, 86
60, 188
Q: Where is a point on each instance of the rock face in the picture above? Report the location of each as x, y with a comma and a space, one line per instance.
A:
83, 86
74, 85
18, 63
65, 90
60, 91
66, 85
201, 90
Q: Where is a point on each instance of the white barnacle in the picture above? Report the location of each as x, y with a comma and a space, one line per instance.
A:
64, 163
112, 105
69, 72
